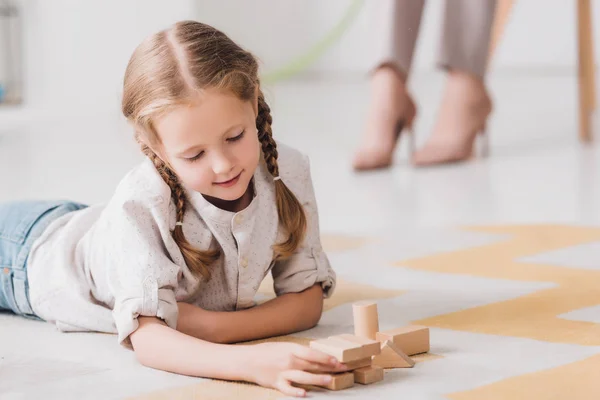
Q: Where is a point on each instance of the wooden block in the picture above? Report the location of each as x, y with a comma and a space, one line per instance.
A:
342, 350
368, 375
412, 339
341, 381
365, 362
366, 319
371, 347
354, 351
392, 357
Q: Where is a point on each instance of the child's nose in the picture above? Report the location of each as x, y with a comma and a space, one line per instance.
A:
222, 164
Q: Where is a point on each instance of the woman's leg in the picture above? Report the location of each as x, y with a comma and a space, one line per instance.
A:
465, 104
395, 28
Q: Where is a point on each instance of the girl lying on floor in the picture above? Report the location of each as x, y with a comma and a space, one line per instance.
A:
172, 263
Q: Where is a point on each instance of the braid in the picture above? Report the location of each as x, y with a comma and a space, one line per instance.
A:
290, 211
196, 260
265, 136
170, 179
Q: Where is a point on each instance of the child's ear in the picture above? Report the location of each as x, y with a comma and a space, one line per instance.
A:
155, 147
143, 139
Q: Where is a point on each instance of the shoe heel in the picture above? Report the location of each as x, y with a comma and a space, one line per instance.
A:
403, 126
485, 142
412, 141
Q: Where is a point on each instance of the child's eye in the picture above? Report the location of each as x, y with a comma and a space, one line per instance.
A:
236, 138
196, 157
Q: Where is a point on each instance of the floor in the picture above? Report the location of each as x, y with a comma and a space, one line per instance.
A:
538, 173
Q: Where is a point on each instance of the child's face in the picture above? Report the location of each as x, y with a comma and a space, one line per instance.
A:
212, 145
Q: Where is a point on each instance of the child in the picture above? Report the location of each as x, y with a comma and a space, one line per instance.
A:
173, 261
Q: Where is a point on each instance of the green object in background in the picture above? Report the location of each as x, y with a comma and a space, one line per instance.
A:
302, 62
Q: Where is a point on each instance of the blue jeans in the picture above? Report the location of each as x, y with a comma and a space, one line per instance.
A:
21, 223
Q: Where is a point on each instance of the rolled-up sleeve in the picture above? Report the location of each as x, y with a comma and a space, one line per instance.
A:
309, 265
141, 275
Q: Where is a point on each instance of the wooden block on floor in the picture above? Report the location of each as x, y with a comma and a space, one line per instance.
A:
365, 362
411, 339
341, 381
392, 357
343, 350
366, 319
371, 347
368, 375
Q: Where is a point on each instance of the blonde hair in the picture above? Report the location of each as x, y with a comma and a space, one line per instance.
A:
164, 72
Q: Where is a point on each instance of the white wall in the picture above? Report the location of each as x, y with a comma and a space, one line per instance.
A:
76, 51
541, 34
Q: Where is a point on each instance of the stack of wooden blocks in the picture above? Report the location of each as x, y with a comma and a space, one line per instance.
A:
368, 352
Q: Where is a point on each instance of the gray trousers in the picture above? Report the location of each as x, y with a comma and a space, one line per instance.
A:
465, 37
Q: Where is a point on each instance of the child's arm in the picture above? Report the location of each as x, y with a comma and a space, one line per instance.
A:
291, 312
275, 365
158, 346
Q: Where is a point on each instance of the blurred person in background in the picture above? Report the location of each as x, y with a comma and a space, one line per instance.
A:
466, 103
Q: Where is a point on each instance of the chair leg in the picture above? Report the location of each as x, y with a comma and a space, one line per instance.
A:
503, 8
591, 63
586, 75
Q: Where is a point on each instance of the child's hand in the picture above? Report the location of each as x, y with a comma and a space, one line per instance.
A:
278, 365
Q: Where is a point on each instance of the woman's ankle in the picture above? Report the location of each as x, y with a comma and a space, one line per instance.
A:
391, 75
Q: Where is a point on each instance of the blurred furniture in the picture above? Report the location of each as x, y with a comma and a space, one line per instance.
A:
585, 59
10, 52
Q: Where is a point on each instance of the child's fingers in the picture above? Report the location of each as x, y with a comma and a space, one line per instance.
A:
306, 378
316, 367
315, 356
287, 389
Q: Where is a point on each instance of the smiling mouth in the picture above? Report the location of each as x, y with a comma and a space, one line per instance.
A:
229, 182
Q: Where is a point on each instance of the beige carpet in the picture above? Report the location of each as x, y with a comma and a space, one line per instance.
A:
514, 313
536, 318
